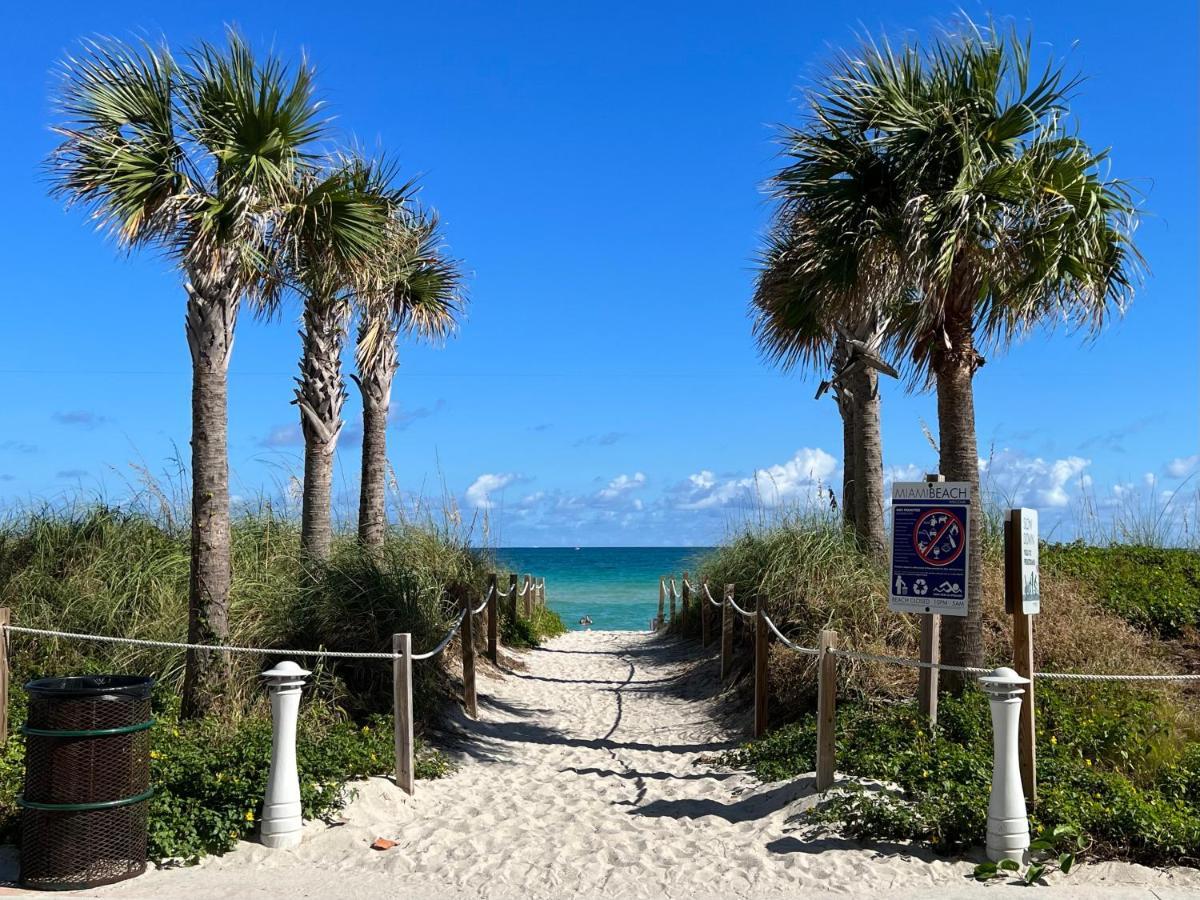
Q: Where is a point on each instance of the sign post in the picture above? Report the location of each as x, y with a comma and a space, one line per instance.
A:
928, 575
1023, 600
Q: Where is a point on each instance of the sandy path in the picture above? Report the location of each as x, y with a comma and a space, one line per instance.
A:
585, 776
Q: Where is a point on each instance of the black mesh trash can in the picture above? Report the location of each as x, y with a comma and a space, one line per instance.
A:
87, 781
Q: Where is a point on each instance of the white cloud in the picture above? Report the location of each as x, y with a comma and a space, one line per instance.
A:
1183, 466
621, 485
479, 494
1031, 480
796, 479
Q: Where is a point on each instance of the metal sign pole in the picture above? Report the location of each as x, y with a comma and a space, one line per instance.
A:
1022, 600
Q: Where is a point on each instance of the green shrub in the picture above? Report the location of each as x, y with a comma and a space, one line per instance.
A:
1152, 587
1114, 765
209, 777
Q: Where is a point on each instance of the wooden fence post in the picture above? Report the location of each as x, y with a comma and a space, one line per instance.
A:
5, 621
705, 614
1022, 646
662, 597
671, 584
826, 709
927, 678
467, 638
686, 589
542, 591
402, 710
727, 615
760, 670
512, 595
493, 621
528, 596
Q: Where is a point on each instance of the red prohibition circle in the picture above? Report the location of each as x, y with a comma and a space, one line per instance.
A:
954, 520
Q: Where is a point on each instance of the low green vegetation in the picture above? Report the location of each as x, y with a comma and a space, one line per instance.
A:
1119, 766
1156, 588
1114, 764
108, 571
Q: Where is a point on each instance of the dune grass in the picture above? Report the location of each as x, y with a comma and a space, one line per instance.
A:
102, 570
1119, 763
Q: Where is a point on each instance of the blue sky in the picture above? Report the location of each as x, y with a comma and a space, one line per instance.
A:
598, 168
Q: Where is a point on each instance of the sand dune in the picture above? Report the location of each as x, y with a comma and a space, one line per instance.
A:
591, 773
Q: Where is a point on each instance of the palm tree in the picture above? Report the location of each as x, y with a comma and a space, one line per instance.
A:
337, 227
828, 275
417, 291
1009, 222
193, 159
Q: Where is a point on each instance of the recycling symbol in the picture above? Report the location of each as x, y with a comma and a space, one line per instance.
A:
920, 588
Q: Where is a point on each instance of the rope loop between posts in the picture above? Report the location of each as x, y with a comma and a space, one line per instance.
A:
809, 651
902, 661
747, 614
708, 593
445, 641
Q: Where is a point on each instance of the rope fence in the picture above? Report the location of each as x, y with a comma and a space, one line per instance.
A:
401, 656
828, 654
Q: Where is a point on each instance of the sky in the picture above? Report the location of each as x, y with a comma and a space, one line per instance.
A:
598, 168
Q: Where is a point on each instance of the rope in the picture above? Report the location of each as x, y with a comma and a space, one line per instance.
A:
715, 603
1077, 676
446, 640
482, 606
911, 663
139, 642
748, 615
227, 648
811, 651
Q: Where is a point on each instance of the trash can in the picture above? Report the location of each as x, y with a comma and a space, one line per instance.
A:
87, 781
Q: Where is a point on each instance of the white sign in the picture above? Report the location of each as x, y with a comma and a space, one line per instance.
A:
1025, 531
931, 523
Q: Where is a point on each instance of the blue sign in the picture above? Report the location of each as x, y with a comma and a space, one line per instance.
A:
930, 534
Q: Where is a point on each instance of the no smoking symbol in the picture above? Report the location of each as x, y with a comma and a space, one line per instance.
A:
938, 537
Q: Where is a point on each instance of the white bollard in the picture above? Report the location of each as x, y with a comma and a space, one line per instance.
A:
1008, 821
281, 819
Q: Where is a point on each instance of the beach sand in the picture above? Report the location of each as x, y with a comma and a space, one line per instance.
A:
592, 772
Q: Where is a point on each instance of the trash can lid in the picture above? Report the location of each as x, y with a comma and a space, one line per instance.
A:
135, 687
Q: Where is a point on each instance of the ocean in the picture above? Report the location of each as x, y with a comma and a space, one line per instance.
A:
616, 586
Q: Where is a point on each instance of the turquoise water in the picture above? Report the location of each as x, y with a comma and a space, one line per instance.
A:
616, 586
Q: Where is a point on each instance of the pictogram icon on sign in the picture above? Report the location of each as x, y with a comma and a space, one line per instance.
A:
938, 537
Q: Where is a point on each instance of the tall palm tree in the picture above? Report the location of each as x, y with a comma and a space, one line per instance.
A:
828, 277
417, 291
193, 158
1009, 222
337, 227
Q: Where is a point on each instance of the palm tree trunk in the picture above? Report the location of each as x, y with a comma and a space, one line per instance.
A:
954, 369
320, 396
375, 383
868, 463
846, 408
211, 315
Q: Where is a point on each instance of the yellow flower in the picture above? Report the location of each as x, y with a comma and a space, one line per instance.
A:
374, 758
366, 729
249, 815
1053, 739
154, 754
1088, 761
220, 776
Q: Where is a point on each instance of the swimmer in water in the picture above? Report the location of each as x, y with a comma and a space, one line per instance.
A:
586, 622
